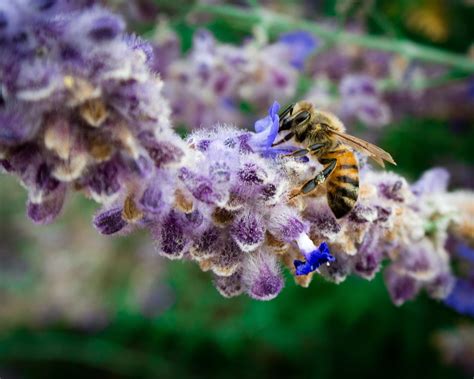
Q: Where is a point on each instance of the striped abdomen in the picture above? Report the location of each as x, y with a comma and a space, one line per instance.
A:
343, 183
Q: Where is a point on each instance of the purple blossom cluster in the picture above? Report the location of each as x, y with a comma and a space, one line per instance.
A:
81, 109
224, 207
389, 223
213, 79
461, 299
361, 99
230, 212
386, 86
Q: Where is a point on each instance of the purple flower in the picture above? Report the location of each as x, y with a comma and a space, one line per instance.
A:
19, 122
229, 286
465, 252
152, 198
138, 43
392, 188
220, 198
262, 276
302, 44
286, 224
461, 298
358, 86
228, 259
369, 257
267, 129
248, 231
110, 221
360, 99
200, 186
106, 28
229, 75
45, 211
172, 236
75, 57
433, 180
314, 257
206, 245
400, 287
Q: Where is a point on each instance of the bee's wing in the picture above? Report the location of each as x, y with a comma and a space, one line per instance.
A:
376, 153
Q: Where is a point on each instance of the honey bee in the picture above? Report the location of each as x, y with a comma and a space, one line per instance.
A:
322, 135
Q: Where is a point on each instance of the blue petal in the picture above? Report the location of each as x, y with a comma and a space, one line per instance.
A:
262, 124
273, 110
461, 298
270, 120
324, 248
267, 129
465, 252
301, 268
302, 44
314, 259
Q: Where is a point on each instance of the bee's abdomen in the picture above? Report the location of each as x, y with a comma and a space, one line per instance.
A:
343, 183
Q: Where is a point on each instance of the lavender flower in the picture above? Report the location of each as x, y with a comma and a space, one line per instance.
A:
460, 298
82, 110
244, 228
300, 45
208, 85
266, 130
360, 99
79, 107
314, 258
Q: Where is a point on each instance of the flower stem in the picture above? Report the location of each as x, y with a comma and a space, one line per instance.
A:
277, 23
449, 77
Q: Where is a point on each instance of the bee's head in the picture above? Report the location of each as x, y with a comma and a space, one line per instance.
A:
295, 116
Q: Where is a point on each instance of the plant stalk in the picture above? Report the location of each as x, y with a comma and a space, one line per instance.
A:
277, 24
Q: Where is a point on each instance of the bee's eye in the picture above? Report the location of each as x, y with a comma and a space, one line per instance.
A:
301, 117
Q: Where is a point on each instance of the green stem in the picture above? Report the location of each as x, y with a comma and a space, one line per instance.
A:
439, 81
277, 23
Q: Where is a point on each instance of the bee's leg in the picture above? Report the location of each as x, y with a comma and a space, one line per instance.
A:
316, 147
284, 139
310, 185
302, 152
297, 153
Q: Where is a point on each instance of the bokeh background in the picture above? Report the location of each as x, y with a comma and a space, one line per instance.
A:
76, 304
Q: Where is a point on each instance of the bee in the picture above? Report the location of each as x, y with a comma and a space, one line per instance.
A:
322, 135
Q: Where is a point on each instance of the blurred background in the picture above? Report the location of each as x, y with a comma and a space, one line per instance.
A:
76, 304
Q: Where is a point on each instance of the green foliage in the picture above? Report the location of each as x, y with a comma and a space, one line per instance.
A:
418, 144
324, 331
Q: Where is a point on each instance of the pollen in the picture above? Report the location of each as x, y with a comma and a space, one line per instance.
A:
71, 169
99, 149
130, 212
68, 82
222, 216
94, 112
182, 202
